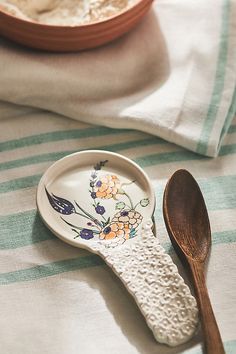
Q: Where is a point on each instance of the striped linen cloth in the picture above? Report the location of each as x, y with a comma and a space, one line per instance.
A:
57, 299
173, 76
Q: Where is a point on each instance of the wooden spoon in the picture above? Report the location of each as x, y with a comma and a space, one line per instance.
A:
188, 226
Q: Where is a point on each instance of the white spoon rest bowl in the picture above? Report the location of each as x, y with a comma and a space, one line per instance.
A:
104, 202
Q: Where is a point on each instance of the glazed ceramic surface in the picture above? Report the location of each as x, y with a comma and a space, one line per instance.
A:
104, 202
71, 38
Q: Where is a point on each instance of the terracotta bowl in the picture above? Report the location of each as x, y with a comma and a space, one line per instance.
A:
71, 38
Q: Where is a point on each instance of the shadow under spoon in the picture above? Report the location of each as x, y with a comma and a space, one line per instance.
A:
187, 222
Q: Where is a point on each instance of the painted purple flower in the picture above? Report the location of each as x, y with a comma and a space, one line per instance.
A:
107, 230
61, 205
100, 209
93, 195
99, 183
124, 213
86, 234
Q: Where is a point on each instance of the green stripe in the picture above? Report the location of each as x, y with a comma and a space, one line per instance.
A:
232, 129
179, 156
47, 270
32, 160
167, 157
228, 150
229, 119
228, 236
26, 182
19, 183
219, 82
223, 237
145, 161
219, 192
22, 229
53, 156
59, 136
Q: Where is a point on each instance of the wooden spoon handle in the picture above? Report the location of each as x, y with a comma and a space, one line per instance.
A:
212, 339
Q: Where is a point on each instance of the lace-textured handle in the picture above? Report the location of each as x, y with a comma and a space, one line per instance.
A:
152, 278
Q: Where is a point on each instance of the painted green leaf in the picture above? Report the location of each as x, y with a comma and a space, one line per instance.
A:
132, 233
144, 202
120, 205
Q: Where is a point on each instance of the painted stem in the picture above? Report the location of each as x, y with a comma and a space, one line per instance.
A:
80, 228
89, 215
136, 205
131, 203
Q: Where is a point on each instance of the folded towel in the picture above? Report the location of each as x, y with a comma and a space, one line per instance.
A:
173, 76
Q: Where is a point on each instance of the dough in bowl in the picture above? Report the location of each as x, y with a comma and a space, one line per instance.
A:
65, 12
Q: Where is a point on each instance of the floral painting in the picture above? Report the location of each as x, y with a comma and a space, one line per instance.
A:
122, 225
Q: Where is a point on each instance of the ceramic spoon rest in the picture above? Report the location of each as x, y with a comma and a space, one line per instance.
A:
104, 202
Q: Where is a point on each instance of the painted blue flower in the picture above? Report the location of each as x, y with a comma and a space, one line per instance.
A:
124, 213
93, 195
99, 183
100, 209
61, 205
86, 234
107, 230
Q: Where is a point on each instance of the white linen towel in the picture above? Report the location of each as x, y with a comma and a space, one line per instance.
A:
173, 76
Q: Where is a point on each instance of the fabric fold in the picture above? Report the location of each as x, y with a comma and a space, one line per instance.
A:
173, 76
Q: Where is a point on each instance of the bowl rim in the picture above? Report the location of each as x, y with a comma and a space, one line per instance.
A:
119, 14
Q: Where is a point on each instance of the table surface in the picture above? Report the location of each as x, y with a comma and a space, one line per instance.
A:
58, 299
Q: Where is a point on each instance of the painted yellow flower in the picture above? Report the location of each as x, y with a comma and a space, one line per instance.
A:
131, 217
114, 230
107, 187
